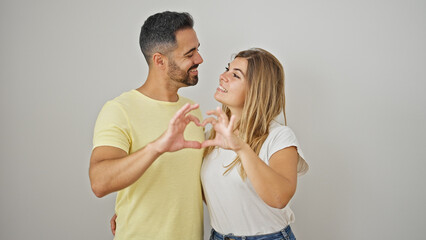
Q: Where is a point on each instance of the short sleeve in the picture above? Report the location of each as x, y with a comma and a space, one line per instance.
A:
112, 128
282, 137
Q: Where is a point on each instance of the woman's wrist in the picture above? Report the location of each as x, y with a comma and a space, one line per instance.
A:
240, 146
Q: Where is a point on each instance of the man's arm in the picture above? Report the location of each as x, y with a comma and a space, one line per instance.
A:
111, 169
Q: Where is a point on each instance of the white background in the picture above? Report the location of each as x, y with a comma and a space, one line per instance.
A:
355, 82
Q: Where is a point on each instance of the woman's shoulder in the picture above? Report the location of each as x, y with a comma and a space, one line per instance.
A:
277, 128
281, 136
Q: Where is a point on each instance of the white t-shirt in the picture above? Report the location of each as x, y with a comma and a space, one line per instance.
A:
233, 204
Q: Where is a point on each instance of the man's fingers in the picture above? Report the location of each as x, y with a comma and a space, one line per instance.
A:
179, 113
208, 143
113, 225
194, 119
191, 107
183, 111
192, 144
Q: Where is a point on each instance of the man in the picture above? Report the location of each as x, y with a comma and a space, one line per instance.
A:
144, 145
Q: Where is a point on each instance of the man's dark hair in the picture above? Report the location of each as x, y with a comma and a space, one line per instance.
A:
158, 32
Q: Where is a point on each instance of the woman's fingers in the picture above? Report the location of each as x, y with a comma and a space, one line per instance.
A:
231, 123
222, 115
210, 120
213, 112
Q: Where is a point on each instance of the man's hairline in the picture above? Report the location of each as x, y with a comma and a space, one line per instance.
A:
173, 45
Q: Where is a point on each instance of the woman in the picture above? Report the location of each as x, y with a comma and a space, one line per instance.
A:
251, 162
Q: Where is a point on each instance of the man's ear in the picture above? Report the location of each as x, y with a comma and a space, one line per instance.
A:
159, 60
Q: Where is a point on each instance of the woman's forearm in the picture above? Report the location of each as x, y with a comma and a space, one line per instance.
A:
273, 188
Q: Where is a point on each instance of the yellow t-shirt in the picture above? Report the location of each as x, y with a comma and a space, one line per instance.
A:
166, 201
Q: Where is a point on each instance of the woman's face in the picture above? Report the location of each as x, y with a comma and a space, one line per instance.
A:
233, 84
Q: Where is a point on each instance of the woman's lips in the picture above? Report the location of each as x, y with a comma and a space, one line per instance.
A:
222, 89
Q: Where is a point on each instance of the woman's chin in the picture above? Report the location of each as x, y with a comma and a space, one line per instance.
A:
217, 97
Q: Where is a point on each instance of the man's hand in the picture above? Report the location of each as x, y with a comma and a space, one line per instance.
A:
113, 225
112, 169
172, 140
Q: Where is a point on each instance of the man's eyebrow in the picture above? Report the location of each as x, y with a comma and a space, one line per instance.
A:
192, 49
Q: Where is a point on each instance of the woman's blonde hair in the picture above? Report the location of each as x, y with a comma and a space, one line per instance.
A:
265, 100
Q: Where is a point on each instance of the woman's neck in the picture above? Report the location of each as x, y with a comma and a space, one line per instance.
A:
237, 112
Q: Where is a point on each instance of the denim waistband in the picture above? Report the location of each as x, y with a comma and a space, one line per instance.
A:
285, 232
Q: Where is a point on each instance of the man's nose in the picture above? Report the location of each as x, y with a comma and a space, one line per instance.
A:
199, 59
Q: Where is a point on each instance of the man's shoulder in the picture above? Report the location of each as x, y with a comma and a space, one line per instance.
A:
124, 100
125, 96
120, 103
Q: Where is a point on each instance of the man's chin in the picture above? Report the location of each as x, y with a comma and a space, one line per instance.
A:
191, 82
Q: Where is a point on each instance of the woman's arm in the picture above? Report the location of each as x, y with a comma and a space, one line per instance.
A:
276, 183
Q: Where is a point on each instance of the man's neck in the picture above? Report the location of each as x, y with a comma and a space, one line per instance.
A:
159, 89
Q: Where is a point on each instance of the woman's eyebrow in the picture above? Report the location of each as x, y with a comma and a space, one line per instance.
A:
236, 69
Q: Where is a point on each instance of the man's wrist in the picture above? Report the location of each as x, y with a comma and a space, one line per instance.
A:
154, 147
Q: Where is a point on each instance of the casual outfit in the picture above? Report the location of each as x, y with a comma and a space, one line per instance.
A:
166, 201
233, 204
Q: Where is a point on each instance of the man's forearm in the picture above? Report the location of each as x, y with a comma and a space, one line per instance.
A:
112, 170
112, 175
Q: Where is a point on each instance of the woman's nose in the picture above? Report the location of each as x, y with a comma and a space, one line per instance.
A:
223, 77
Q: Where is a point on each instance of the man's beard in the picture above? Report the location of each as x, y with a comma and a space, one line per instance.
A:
178, 75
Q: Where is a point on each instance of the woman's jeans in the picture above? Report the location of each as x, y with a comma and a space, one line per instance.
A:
284, 234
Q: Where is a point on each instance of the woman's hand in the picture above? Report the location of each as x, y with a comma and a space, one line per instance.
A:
225, 136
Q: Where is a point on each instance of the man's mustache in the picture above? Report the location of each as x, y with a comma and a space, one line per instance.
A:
195, 66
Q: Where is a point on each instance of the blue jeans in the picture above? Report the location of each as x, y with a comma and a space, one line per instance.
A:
284, 234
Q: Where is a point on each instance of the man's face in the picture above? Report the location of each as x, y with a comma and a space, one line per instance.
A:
184, 60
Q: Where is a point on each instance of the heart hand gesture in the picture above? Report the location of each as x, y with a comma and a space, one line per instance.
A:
172, 140
225, 136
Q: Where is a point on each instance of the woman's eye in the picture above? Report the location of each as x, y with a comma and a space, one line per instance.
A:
235, 75
226, 69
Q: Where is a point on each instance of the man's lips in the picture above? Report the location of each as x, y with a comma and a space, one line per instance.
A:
193, 69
